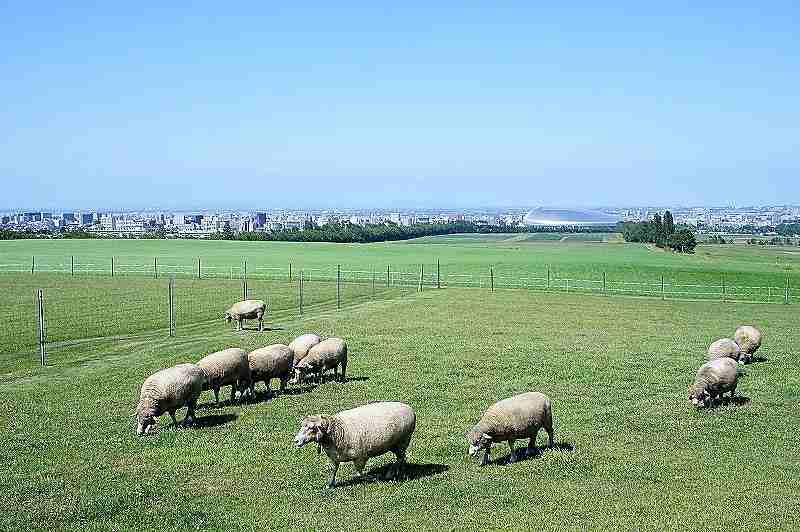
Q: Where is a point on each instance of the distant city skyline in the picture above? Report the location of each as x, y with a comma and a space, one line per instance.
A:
416, 106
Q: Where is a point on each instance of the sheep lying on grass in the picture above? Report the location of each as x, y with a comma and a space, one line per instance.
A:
271, 362
713, 379
361, 433
328, 354
223, 368
302, 344
250, 309
724, 348
512, 419
167, 391
749, 340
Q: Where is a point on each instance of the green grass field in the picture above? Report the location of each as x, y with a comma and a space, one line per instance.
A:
632, 455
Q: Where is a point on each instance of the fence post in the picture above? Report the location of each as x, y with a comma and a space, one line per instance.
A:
372, 271
662, 288
155, 267
491, 278
604, 282
421, 270
198, 267
171, 296
438, 275
387, 276
787, 290
290, 272
723, 287
33, 264
338, 286
42, 337
72, 265
301, 292
112, 266
548, 277
245, 270
244, 289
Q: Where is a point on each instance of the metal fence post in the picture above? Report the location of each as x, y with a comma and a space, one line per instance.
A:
112, 266
244, 289
155, 267
787, 290
548, 277
491, 277
245, 269
171, 296
438, 275
604, 282
372, 271
42, 333
198, 267
290, 272
301, 292
421, 273
72, 265
723, 287
662, 288
387, 276
33, 264
338, 286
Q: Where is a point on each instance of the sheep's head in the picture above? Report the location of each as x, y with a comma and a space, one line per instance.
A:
146, 418
698, 396
313, 429
477, 441
228, 317
300, 371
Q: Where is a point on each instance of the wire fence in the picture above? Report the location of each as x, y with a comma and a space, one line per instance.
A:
66, 301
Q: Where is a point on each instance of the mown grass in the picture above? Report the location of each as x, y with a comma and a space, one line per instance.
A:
634, 454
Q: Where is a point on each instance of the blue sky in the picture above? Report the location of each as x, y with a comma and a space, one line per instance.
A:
255, 105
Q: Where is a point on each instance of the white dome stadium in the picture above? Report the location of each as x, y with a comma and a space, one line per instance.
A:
568, 217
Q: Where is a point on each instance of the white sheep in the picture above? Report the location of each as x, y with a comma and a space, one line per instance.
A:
749, 340
302, 344
361, 433
713, 379
512, 419
328, 354
249, 309
167, 391
271, 362
223, 368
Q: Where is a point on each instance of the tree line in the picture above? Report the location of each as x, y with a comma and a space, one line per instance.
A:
662, 232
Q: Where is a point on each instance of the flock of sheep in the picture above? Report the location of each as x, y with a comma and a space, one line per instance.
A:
380, 427
720, 374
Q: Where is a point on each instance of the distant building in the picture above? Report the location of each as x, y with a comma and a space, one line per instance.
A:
568, 218
68, 218
260, 220
88, 218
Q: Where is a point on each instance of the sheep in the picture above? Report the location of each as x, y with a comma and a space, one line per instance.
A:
510, 419
724, 348
713, 379
302, 344
167, 391
327, 354
749, 340
249, 309
229, 366
273, 361
361, 433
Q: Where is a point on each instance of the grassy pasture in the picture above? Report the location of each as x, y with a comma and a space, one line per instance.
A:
633, 454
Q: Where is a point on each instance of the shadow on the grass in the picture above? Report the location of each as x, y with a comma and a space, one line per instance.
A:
385, 473
737, 400
212, 420
264, 396
522, 455
756, 360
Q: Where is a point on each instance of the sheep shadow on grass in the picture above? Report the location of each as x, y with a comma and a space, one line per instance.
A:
522, 455
264, 396
386, 473
736, 400
212, 420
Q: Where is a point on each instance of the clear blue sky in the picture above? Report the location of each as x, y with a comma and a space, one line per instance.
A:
226, 104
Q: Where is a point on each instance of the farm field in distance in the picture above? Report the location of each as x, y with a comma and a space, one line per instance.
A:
632, 453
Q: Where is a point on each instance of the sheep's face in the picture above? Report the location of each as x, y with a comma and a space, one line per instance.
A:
228, 317
300, 372
312, 429
146, 421
699, 398
478, 441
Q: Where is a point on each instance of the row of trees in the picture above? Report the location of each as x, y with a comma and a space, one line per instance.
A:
661, 232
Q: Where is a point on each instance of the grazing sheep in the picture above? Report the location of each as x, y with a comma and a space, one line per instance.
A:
511, 419
271, 362
749, 340
724, 348
249, 309
229, 366
302, 344
167, 391
327, 354
714, 378
361, 433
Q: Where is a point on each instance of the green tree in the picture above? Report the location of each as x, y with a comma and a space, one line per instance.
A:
657, 230
682, 241
669, 224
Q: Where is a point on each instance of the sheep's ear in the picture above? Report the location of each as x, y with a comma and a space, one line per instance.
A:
486, 436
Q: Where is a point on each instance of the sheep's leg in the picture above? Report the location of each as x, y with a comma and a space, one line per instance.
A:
344, 370
400, 453
174, 419
551, 434
283, 384
266, 383
513, 456
189, 419
531, 451
360, 464
216, 396
332, 482
336, 372
233, 393
485, 459
261, 324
